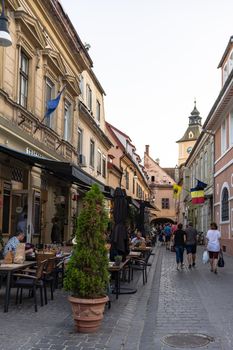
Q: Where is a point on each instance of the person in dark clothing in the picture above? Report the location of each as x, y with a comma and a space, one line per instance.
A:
56, 232
179, 243
191, 244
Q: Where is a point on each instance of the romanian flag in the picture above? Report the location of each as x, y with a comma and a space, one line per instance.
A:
176, 191
197, 193
197, 196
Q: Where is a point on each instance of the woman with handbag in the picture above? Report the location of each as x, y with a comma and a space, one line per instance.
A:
213, 238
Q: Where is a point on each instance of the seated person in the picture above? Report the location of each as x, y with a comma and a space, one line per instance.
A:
13, 242
138, 240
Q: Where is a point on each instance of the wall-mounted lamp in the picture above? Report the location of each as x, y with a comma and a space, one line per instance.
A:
5, 38
135, 175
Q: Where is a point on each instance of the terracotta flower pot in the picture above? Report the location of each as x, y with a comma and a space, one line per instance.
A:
88, 313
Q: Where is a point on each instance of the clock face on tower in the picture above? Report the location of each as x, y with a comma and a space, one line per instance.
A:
189, 149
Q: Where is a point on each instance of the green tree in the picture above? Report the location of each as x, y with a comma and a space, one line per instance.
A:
87, 271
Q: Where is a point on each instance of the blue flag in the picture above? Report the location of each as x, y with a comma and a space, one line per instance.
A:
52, 104
200, 185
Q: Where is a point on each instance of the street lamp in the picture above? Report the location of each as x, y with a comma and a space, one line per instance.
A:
5, 38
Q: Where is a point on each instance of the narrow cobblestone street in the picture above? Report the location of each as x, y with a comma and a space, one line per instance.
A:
188, 301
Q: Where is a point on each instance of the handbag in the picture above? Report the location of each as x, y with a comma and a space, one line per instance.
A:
221, 261
205, 257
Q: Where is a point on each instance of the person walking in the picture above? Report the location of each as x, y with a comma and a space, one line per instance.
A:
213, 239
167, 232
191, 244
179, 242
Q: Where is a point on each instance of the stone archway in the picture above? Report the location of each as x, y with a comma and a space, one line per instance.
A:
161, 221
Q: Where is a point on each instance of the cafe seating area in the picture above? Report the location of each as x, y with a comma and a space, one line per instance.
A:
35, 281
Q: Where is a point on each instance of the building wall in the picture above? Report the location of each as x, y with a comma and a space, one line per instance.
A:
161, 187
40, 31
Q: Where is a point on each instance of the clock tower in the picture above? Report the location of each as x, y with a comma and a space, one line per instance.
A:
190, 136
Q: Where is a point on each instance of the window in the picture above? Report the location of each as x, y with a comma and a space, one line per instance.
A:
67, 121
36, 213
104, 166
127, 179
99, 156
190, 135
223, 137
230, 62
98, 111
81, 85
225, 73
6, 207
80, 141
225, 205
89, 98
165, 203
133, 185
49, 95
205, 165
23, 94
152, 179
92, 153
231, 129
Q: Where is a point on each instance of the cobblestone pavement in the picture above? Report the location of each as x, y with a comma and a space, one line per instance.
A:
188, 301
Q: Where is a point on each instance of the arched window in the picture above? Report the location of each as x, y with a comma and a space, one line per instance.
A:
190, 135
225, 205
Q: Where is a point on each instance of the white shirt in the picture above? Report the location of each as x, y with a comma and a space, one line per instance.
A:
213, 237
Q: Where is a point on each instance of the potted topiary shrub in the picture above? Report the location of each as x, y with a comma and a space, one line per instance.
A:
87, 275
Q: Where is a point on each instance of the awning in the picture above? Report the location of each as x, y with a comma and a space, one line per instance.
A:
64, 170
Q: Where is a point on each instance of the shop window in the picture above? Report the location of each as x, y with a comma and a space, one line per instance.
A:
17, 175
6, 208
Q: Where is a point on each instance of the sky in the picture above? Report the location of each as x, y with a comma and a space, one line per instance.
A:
153, 58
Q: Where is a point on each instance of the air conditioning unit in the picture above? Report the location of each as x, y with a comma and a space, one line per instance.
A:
82, 160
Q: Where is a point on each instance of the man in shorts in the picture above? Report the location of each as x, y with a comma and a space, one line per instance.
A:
191, 244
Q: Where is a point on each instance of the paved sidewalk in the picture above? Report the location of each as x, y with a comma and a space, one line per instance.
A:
172, 302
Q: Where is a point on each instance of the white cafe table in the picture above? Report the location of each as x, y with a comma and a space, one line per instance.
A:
8, 270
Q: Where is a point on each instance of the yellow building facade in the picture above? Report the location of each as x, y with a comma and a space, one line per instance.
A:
47, 163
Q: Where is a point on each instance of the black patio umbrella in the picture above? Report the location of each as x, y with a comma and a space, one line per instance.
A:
141, 219
119, 235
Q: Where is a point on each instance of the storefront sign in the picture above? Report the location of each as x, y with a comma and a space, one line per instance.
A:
31, 152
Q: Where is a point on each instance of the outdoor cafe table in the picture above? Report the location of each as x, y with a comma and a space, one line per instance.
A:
116, 270
8, 270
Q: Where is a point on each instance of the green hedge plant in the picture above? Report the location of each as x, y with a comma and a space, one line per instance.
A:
87, 271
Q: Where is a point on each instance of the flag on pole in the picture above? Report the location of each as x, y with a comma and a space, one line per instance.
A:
198, 196
52, 104
197, 193
201, 185
176, 191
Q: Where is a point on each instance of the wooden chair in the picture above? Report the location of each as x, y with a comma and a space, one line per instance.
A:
49, 276
31, 282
